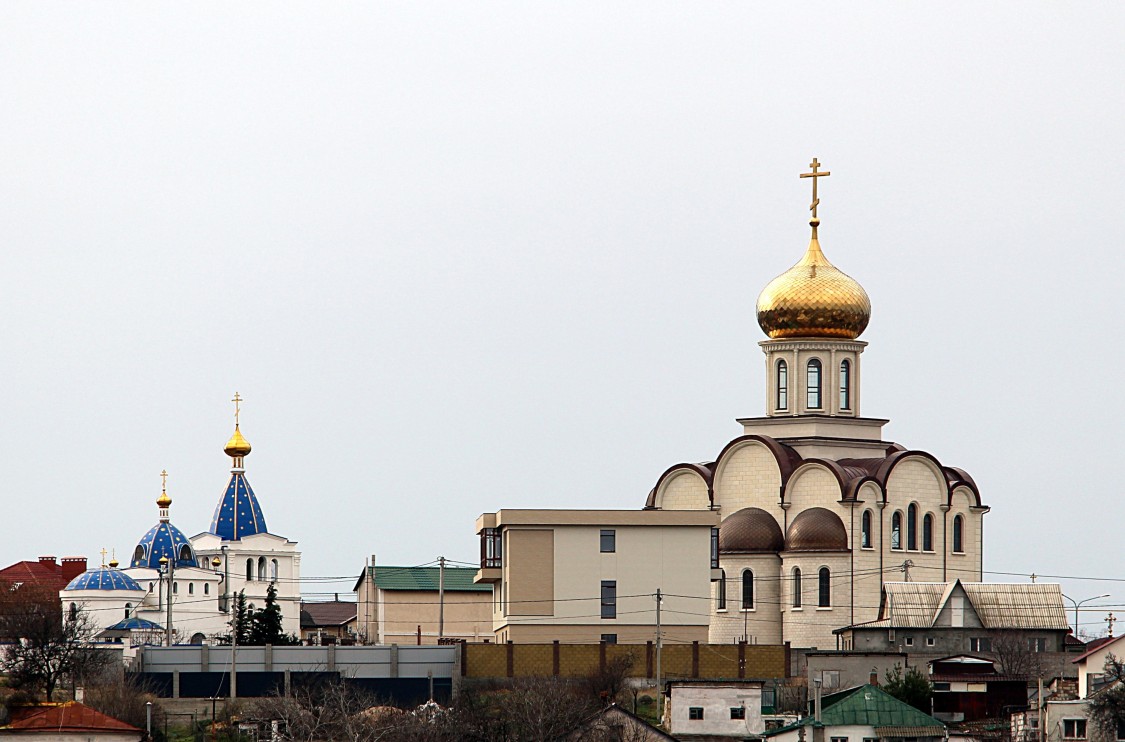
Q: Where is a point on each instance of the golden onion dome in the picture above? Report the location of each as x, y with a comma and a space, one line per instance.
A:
163, 501
237, 445
814, 299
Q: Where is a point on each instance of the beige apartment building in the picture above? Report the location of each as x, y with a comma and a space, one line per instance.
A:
592, 575
404, 605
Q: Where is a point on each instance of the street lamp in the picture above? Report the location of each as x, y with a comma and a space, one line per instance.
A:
1078, 604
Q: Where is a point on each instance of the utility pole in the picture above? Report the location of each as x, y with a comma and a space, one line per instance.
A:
659, 643
167, 566
441, 598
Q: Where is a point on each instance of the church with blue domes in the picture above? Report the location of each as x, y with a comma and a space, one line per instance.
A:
189, 584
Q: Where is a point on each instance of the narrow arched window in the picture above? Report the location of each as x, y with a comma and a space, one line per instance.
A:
721, 591
824, 591
273, 570
128, 610
782, 385
796, 587
73, 612
138, 554
747, 590
928, 532
185, 553
865, 530
958, 534
262, 568
191, 588
812, 385
176, 587
249, 570
206, 589
912, 527
845, 385
896, 530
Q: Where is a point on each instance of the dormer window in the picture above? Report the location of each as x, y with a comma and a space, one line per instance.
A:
813, 385
782, 385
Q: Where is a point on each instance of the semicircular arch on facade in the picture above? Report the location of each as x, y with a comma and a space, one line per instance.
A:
950, 478
810, 465
787, 459
694, 493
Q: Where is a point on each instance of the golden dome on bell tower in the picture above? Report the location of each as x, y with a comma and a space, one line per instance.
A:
814, 298
237, 446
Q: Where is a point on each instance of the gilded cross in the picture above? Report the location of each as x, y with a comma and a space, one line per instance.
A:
1033, 576
815, 165
103, 556
163, 480
237, 401
1111, 619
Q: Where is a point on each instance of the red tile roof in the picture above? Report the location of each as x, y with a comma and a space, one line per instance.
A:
65, 717
1094, 646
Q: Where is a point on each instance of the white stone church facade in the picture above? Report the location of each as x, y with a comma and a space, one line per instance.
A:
818, 509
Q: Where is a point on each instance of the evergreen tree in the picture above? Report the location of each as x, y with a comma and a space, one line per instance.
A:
265, 625
241, 619
910, 687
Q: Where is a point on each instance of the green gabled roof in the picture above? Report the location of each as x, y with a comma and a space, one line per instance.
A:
457, 579
866, 705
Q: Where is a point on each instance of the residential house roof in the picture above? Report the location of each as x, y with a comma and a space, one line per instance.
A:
870, 705
71, 717
457, 579
998, 605
1095, 645
330, 613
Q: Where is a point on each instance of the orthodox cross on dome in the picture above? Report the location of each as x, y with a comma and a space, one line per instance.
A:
815, 165
1110, 620
163, 480
237, 402
103, 556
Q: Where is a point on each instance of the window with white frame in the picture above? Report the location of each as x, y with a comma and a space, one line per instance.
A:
1074, 729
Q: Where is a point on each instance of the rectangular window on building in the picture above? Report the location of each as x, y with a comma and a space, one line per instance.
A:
980, 644
930, 641
839, 739
609, 638
714, 548
1120, 730
1037, 644
609, 540
695, 713
738, 712
609, 599
830, 678
939, 686
1074, 729
908, 641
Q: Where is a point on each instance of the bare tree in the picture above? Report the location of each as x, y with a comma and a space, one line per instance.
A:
1014, 655
123, 697
47, 648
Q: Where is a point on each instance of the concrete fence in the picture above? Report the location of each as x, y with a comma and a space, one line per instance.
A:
693, 660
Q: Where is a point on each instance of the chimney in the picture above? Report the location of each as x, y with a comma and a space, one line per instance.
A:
48, 561
72, 567
874, 678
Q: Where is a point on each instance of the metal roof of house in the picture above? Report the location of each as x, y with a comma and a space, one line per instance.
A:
869, 705
327, 613
457, 579
999, 605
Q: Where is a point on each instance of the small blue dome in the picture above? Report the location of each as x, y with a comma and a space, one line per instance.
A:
135, 624
103, 578
163, 540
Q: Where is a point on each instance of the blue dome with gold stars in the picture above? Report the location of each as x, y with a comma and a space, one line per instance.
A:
103, 578
238, 513
163, 540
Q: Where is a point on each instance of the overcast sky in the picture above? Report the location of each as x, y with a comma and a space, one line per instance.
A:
467, 256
